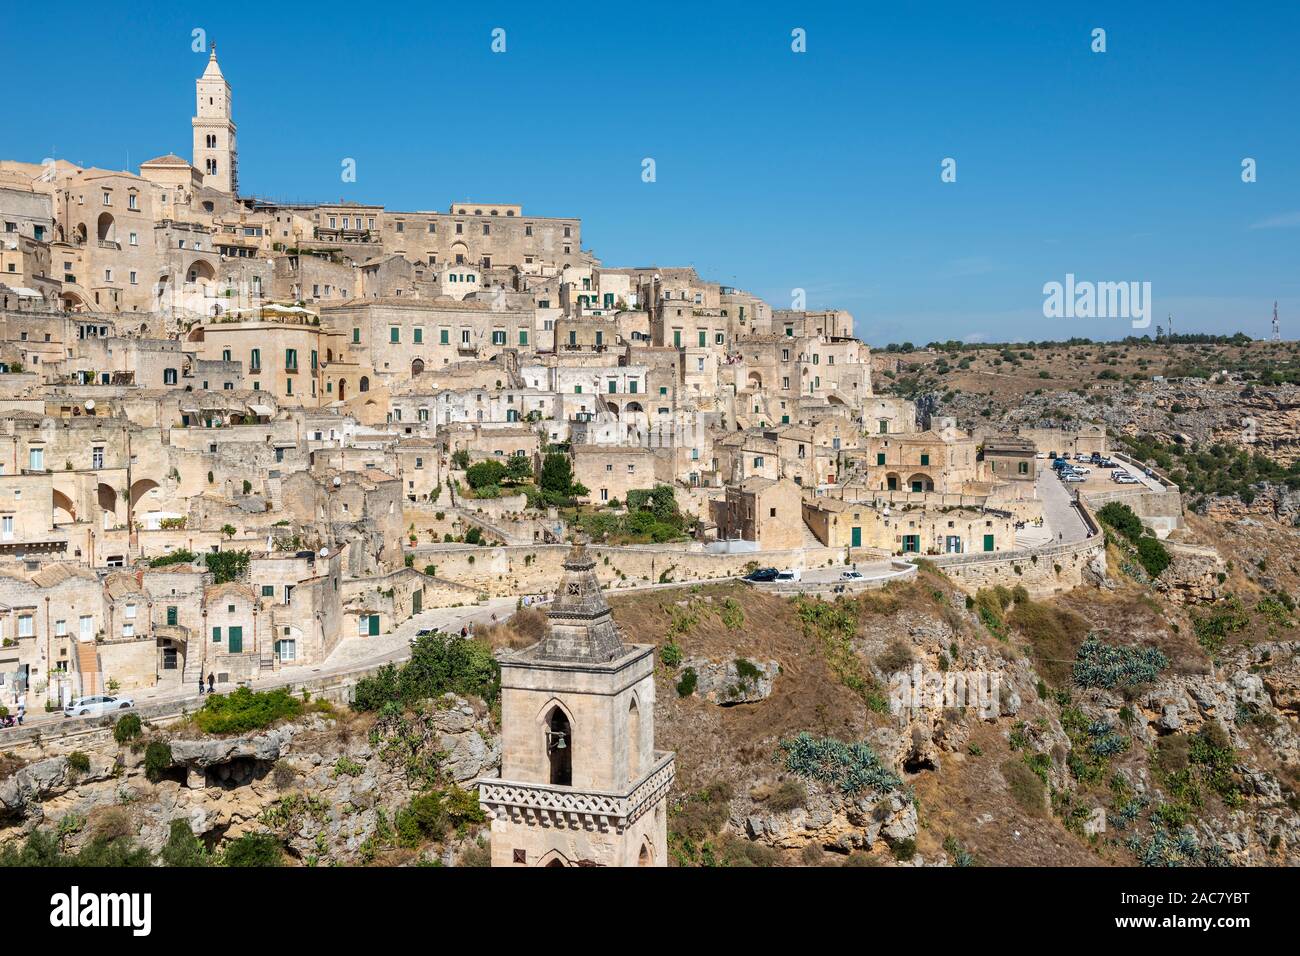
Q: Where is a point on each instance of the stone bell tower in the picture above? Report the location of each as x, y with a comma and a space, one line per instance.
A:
214, 130
581, 783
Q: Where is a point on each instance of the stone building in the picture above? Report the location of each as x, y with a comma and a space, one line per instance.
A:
581, 782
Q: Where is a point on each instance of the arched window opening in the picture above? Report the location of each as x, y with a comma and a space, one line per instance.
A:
559, 748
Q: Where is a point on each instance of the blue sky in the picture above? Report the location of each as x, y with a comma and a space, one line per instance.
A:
775, 170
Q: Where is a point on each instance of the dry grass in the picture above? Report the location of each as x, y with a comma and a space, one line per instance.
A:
526, 627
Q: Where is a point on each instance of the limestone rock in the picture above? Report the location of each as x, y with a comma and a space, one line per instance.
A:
736, 681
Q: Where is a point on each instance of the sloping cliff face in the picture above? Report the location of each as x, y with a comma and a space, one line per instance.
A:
1192, 763
329, 785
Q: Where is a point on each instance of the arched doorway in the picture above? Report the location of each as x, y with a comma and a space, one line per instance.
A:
417, 366
559, 748
365, 383
755, 381
920, 482
343, 389
645, 857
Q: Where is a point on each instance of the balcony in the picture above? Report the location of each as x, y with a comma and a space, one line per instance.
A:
567, 808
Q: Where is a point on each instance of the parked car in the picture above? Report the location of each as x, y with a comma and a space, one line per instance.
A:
792, 575
1124, 478
762, 575
1082, 470
85, 706
852, 576
1074, 477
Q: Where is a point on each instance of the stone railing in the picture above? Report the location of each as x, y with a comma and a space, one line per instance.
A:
577, 809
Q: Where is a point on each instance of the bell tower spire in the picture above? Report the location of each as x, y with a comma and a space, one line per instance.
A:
215, 153
581, 782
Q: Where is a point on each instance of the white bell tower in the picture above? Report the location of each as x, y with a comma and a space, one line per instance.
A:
214, 131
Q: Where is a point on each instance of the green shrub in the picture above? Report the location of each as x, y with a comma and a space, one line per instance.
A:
1153, 556
245, 710
127, 728
430, 815
440, 663
157, 760
254, 849
1123, 519
686, 686
79, 761
670, 655
183, 848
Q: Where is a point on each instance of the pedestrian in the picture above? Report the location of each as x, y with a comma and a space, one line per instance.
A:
212, 683
464, 632
200, 685
22, 711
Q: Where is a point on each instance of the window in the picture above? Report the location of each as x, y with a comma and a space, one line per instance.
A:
7, 527
394, 334
880, 458
498, 337
25, 625
172, 615
291, 360
356, 336
169, 376
36, 459
523, 336
216, 635
444, 336
97, 456
419, 336
925, 459
255, 360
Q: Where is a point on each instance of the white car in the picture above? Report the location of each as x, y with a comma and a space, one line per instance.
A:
851, 576
1124, 478
1081, 470
1074, 477
792, 575
84, 706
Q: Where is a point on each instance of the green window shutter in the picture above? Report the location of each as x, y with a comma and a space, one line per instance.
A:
356, 336
703, 338
925, 459
880, 458
523, 336
419, 336
394, 334
171, 616
236, 640
216, 635
677, 338
988, 542
443, 337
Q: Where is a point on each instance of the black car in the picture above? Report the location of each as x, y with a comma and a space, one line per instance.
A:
762, 575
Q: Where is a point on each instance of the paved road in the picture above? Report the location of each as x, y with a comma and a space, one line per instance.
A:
1059, 515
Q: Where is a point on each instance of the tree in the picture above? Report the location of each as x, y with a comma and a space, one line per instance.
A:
485, 473
519, 468
460, 459
557, 474
226, 566
228, 530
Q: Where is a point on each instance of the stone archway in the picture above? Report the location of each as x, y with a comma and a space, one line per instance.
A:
559, 747
417, 367
107, 498
64, 510
106, 228
140, 489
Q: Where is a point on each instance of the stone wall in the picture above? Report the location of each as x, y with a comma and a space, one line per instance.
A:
523, 569
1041, 573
